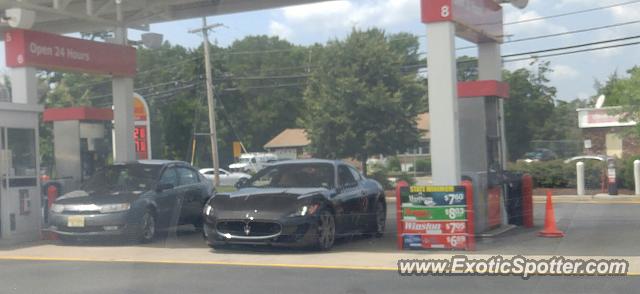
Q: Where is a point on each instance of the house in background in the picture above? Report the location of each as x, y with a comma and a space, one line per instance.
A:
289, 144
606, 133
422, 151
293, 144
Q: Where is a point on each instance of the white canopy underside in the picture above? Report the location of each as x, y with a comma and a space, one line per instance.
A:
70, 16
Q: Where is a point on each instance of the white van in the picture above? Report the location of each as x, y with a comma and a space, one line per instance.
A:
252, 162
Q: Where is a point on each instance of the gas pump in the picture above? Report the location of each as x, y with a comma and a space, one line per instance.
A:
481, 149
81, 142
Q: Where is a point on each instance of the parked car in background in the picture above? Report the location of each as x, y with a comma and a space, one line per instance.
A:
226, 178
252, 162
297, 202
133, 200
540, 154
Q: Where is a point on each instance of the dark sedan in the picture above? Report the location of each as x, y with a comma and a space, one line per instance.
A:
297, 203
133, 200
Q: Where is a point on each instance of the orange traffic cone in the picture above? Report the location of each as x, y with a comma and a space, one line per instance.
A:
550, 230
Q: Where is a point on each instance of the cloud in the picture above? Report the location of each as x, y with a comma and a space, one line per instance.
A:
280, 30
531, 28
563, 72
332, 16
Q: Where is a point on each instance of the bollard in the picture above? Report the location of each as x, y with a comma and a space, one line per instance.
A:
580, 178
636, 175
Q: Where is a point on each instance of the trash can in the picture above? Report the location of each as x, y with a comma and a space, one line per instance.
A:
514, 205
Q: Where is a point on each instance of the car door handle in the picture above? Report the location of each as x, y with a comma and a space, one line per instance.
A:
363, 193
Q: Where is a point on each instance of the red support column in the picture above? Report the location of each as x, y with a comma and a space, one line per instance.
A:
471, 235
399, 224
527, 201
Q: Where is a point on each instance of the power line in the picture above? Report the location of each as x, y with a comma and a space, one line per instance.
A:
573, 46
568, 13
263, 77
560, 34
575, 51
265, 87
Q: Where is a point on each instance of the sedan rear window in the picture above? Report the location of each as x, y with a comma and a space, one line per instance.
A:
118, 178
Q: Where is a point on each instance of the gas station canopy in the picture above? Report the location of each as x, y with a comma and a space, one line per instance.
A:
70, 16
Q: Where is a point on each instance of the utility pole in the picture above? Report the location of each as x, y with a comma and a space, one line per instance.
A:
210, 99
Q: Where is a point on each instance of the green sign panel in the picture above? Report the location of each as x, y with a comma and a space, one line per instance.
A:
434, 213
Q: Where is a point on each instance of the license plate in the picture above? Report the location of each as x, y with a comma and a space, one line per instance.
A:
76, 221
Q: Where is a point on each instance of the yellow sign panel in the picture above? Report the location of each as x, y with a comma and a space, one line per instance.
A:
237, 149
139, 110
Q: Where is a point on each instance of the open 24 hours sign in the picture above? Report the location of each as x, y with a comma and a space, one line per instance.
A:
435, 217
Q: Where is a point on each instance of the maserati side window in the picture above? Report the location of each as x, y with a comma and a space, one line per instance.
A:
345, 178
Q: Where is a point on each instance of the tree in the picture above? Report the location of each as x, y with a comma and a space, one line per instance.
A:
530, 104
359, 101
624, 92
467, 68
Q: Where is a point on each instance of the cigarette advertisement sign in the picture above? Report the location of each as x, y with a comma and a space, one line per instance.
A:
431, 217
435, 242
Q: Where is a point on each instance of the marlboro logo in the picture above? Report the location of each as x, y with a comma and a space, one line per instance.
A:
417, 213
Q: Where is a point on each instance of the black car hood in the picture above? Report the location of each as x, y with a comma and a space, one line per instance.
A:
263, 203
93, 197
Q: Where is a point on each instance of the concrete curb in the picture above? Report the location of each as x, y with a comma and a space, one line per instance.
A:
496, 232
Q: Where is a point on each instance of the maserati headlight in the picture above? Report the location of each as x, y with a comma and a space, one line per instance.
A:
110, 208
306, 210
208, 210
57, 208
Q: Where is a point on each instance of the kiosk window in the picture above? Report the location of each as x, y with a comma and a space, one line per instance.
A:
22, 144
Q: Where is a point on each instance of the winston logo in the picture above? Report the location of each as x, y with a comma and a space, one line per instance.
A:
412, 226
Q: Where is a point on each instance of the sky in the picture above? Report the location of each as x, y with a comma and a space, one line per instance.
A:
573, 75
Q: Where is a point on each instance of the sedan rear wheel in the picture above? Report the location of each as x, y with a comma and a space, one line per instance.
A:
147, 228
326, 230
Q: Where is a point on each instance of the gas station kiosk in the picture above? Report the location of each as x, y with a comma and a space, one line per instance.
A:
19, 165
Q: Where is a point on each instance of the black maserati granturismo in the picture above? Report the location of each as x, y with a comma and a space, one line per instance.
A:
297, 203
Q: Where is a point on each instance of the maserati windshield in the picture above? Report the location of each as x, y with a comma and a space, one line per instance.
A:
317, 175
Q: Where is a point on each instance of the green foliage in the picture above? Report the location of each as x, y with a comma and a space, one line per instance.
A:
625, 92
407, 178
393, 163
423, 165
382, 176
359, 101
529, 107
557, 174
467, 68
624, 172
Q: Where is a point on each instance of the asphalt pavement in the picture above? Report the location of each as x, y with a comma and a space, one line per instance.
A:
100, 277
183, 264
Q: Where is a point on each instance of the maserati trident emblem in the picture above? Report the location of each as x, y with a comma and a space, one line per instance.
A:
247, 229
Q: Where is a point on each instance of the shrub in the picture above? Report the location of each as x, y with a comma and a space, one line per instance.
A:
557, 174
407, 178
624, 172
382, 177
393, 163
423, 165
